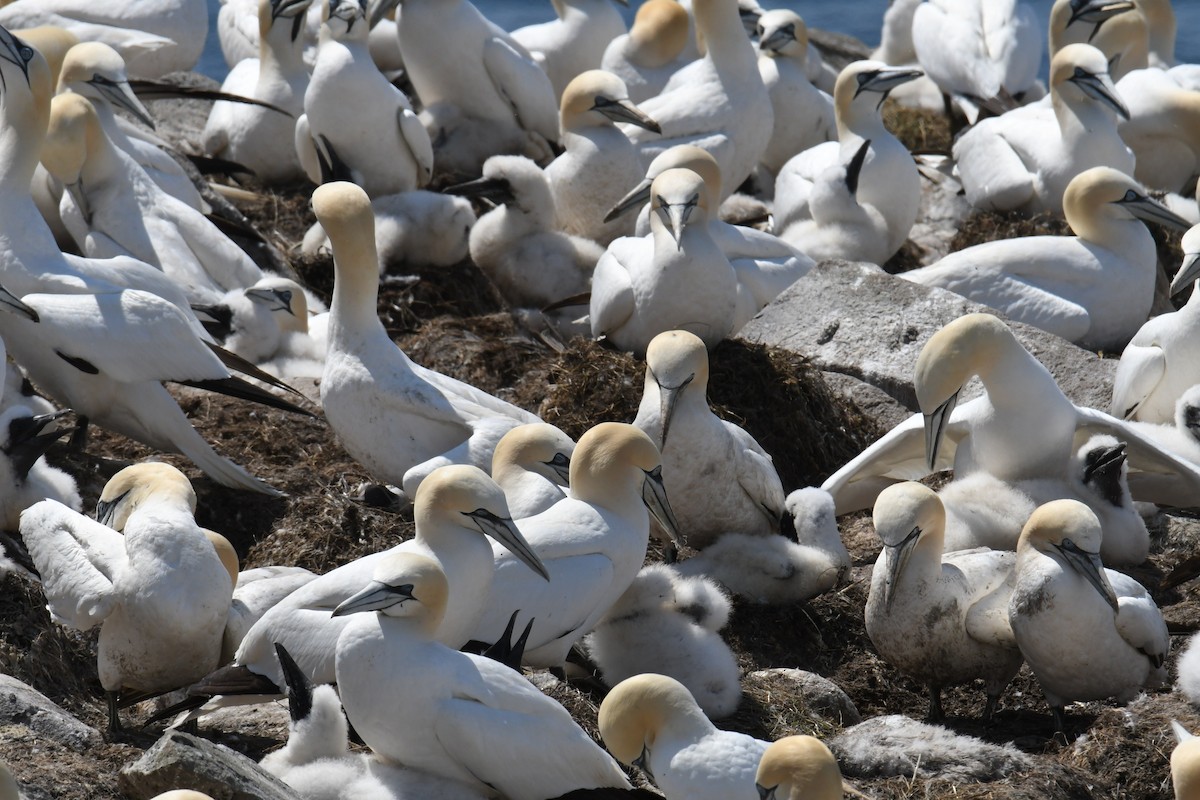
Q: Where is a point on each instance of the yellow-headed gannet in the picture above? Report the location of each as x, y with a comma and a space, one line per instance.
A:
53, 43
238, 31
1082, 21
574, 43
1161, 128
652, 51
532, 465
798, 768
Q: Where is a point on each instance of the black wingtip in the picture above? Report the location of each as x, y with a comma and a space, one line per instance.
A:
300, 688
244, 390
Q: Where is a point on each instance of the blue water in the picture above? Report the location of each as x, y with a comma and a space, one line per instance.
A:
858, 18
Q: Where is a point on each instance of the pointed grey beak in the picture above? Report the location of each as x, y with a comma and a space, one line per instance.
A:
273, 299
1100, 88
376, 596
106, 510
750, 19
1148, 209
505, 532
122, 96
14, 305
289, 8
635, 199
27, 443
935, 428
1188, 272
498, 190
668, 396
561, 464
884, 80
1091, 568
676, 216
625, 111
901, 552
654, 495
778, 38
1097, 11
766, 792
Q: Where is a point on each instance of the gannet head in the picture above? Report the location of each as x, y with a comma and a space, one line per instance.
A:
292, 12
681, 156
465, 497
73, 133
1068, 532
52, 42
538, 447
1100, 464
678, 198
637, 710
97, 72
403, 585
1185, 763
951, 357
1080, 71
22, 67
134, 485
862, 87
675, 361
904, 514
750, 12
782, 32
613, 458
22, 440
346, 18
345, 212
1085, 17
1189, 270
659, 33
1187, 413
284, 298
513, 181
1097, 195
181, 794
596, 97
798, 768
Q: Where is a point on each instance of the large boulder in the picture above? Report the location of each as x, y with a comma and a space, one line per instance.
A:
179, 760
22, 706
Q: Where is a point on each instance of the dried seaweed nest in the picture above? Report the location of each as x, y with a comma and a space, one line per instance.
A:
921, 130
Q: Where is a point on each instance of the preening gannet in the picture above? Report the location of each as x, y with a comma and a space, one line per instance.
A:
390, 413
532, 465
464, 717
889, 181
574, 43
159, 593
1087, 632
1095, 288
25, 477
593, 543
652, 51
798, 768
942, 619
1025, 159
1185, 763
652, 722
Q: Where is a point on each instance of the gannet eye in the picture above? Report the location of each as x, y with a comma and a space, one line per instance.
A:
1080, 72
1130, 196
26, 52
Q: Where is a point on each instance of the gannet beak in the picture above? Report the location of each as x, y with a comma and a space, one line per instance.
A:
1188, 272
505, 532
935, 428
854, 168
561, 464
642, 762
1097, 11
625, 111
378, 9
778, 39
1100, 87
299, 687
654, 495
15, 51
498, 190
764, 792
896, 565
668, 396
106, 510
375, 597
273, 299
750, 19
289, 8
1148, 209
1091, 568
121, 95
676, 216
1105, 462
11, 303
27, 443
635, 199
1191, 421
884, 80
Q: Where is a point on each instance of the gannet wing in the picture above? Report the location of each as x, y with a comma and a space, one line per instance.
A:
524, 86
98, 244
417, 138
78, 559
986, 620
1139, 620
1156, 475
1139, 371
612, 302
306, 150
224, 262
795, 181
476, 450
992, 172
756, 473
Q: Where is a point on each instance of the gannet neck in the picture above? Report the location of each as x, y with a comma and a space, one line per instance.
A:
52, 42
76, 146
719, 28
1185, 764
24, 116
640, 710
659, 33
855, 106
1160, 21
225, 552
1125, 42
344, 210
799, 768
610, 463
1102, 207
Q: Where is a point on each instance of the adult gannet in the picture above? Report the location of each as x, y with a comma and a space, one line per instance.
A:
941, 619
1087, 632
160, 593
25, 477
652, 722
896, 49
53, 43
1185, 763
238, 31
1095, 288
804, 115
652, 51
390, 413
574, 43
482, 91
1081, 21
889, 180
593, 543
677, 278
1025, 159
532, 465
798, 768
356, 126
251, 134
718, 477
1160, 128
483, 716
718, 103
1005, 433
600, 162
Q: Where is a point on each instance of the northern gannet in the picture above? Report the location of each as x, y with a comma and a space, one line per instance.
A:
1088, 632
1095, 288
804, 115
390, 413
1182, 435
677, 278
574, 43
889, 181
1081, 21
896, 50
259, 322
600, 163
941, 619
1185, 763
652, 51
53, 43
238, 31
356, 126
720, 480
1025, 159
798, 768
478, 718
25, 477
593, 543
652, 722
159, 593
532, 465
251, 134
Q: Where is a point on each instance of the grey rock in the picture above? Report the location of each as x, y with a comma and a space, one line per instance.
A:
821, 695
22, 705
943, 209
179, 760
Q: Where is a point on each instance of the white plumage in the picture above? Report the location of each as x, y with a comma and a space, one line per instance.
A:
575, 42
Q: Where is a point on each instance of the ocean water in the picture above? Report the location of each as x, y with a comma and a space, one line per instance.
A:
859, 18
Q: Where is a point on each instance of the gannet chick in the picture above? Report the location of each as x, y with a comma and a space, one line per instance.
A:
16, 390
256, 591
25, 477
1187, 670
593, 543
600, 162
647, 631
1185, 763
984, 511
798, 768
1095, 288
517, 244
1026, 159
159, 593
717, 475
356, 126
391, 414
1100, 478
938, 618
804, 115
684, 283
473, 703
701, 599
1183, 437
532, 465
652, 51
267, 320
575, 42
251, 134
652, 722
1087, 632
889, 180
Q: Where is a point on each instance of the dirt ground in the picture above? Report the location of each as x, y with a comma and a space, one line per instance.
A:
453, 321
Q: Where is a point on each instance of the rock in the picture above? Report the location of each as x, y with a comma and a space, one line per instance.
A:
821, 695
943, 209
22, 705
838, 49
182, 760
